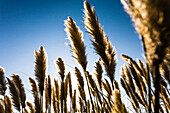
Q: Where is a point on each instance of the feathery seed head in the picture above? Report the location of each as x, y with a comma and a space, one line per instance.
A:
61, 68
14, 91
40, 68
8, 104
18, 82
79, 78
99, 72
31, 107
75, 36
151, 19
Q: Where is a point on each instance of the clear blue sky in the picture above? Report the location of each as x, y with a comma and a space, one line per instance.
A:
25, 25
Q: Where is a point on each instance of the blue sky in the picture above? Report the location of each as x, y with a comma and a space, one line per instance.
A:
25, 25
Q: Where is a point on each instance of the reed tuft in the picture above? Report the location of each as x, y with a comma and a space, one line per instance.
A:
8, 104
75, 36
31, 107
40, 68
100, 41
18, 82
14, 91
98, 73
61, 68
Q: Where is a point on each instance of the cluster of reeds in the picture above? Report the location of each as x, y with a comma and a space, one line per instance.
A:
97, 93
135, 83
151, 19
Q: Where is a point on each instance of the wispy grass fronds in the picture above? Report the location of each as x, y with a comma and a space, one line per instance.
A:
151, 18
95, 29
54, 101
91, 81
133, 62
8, 105
138, 82
81, 105
66, 88
116, 86
46, 95
124, 86
18, 82
57, 93
62, 95
80, 85
79, 77
34, 86
35, 92
98, 73
108, 89
111, 56
31, 107
48, 91
38, 107
56, 88
129, 77
165, 70
88, 106
119, 107
70, 84
15, 94
94, 87
74, 102
40, 68
2, 82
100, 41
65, 94
144, 70
75, 36
82, 93
165, 97
61, 68
131, 94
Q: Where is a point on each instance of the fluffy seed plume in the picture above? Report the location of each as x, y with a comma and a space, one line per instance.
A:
40, 68
70, 84
100, 41
8, 104
18, 82
74, 101
35, 93
54, 100
56, 89
48, 90
165, 70
14, 91
108, 89
129, 77
99, 72
151, 18
61, 68
119, 107
34, 86
91, 81
2, 82
79, 78
31, 107
75, 36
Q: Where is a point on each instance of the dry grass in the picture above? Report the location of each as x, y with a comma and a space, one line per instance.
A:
103, 91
